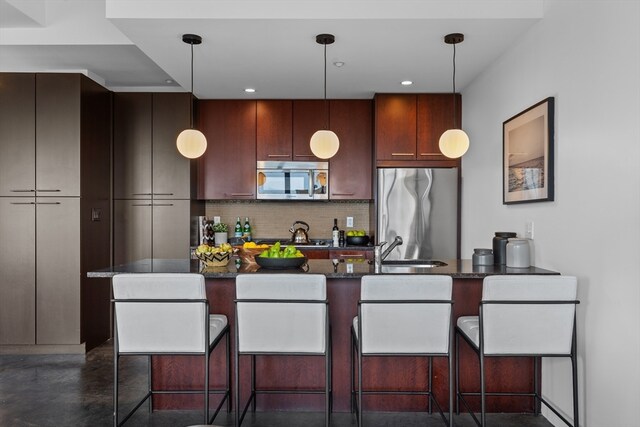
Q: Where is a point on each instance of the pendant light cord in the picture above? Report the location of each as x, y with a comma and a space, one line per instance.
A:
326, 108
455, 125
191, 97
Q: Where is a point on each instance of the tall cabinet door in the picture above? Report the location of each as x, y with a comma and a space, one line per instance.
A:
171, 228
17, 264
17, 134
132, 145
58, 135
58, 270
132, 230
171, 171
308, 117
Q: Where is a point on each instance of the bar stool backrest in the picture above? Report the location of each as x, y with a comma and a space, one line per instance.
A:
160, 327
528, 328
286, 324
406, 327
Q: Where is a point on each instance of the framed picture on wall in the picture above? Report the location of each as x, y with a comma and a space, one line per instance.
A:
527, 144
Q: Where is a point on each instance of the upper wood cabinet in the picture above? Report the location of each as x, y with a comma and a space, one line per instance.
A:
40, 133
285, 127
17, 134
308, 117
227, 170
350, 174
408, 128
146, 161
274, 130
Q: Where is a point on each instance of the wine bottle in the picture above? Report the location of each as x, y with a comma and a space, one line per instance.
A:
247, 230
238, 229
335, 232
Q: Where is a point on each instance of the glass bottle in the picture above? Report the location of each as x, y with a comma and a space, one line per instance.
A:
238, 229
247, 230
335, 233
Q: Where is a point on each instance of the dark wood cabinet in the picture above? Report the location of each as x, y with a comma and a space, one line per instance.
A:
146, 161
308, 117
55, 163
350, 174
408, 128
227, 170
435, 116
274, 130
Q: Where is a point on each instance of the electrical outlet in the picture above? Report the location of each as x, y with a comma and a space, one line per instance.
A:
529, 230
349, 221
216, 220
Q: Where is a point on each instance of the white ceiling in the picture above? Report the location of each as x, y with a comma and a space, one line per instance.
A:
134, 45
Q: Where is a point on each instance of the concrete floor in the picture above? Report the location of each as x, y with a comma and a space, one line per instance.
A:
76, 390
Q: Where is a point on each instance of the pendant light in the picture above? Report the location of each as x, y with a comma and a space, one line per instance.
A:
454, 142
191, 142
324, 143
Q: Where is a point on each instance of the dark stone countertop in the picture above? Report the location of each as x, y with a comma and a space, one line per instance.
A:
458, 269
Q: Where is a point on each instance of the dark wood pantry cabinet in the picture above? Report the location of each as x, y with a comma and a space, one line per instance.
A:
152, 181
55, 145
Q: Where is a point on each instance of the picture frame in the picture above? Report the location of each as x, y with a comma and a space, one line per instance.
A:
527, 159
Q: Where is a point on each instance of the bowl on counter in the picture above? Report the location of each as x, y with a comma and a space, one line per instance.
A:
214, 259
280, 263
357, 240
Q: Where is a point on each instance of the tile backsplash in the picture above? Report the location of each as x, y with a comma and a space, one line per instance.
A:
273, 219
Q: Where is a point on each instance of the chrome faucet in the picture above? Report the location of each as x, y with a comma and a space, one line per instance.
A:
379, 257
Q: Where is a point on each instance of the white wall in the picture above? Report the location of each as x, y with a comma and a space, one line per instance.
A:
587, 55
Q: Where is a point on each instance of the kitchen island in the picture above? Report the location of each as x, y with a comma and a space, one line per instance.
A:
343, 291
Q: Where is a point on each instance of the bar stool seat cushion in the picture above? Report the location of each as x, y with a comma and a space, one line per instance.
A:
470, 326
217, 323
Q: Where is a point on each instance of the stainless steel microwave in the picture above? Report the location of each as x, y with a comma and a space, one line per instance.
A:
292, 180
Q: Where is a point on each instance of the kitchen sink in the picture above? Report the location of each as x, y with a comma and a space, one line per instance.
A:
424, 263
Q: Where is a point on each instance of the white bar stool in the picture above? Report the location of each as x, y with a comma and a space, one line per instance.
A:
520, 315
166, 314
403, 316
281, 314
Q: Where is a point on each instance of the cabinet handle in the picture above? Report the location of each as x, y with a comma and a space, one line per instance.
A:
162, 204
343, 194
163, 194
239, 194
304, 155
431, 154
141, 204
277, 155
48, 203
48, 191
402, 154
23, 203
350, 255
141, 194
22, 191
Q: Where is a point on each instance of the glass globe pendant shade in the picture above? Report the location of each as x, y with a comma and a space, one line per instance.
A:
191, 143
454, 143
324, 144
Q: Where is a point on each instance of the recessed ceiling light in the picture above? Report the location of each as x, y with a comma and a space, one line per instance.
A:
168, 81
406, 83
250, 90
338, 64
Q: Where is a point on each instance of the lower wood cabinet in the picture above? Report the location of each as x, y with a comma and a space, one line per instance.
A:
41, 272
146, 229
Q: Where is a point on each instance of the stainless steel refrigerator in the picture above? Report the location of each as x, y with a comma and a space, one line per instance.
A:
421, 206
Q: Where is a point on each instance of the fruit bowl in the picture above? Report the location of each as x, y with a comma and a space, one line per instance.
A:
357, 240
248, 255
214, 259
280, 263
